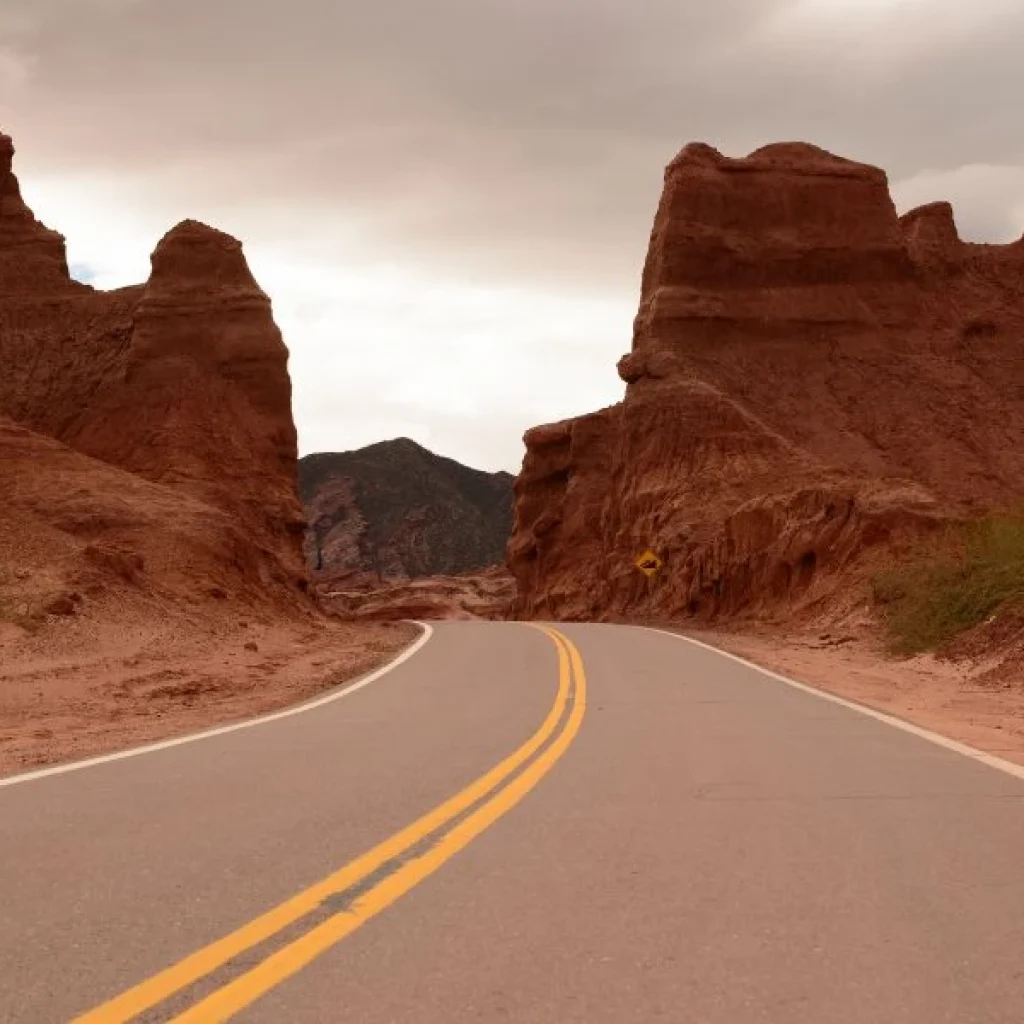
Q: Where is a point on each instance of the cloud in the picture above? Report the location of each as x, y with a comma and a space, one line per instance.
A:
15, 69
417, 165
988, 200
450, 365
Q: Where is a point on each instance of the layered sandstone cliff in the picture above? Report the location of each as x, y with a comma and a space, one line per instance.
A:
158, 419
811, 377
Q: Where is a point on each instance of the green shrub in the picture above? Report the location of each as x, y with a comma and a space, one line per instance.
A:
953, 583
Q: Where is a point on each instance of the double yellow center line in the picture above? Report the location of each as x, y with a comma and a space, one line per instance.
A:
381, 875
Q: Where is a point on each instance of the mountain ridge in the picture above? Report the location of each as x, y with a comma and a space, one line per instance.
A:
395, 510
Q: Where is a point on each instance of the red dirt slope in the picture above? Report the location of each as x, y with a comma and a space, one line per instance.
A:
811, 377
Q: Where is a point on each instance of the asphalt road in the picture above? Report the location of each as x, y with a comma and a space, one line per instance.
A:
506, 827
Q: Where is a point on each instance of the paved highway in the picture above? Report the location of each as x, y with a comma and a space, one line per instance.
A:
592, 824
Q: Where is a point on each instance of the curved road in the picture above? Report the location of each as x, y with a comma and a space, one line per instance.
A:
590, 824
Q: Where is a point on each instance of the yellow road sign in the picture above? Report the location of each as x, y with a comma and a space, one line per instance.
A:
648, 563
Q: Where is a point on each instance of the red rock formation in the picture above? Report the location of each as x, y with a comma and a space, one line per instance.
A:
182, 382
81, 533
811, 376
32, 258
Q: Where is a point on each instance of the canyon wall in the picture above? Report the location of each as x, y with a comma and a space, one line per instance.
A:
812, 378
158, 417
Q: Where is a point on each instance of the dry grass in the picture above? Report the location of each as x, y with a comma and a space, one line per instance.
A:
953, 583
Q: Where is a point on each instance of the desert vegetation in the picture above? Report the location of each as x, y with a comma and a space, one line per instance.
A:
952, 583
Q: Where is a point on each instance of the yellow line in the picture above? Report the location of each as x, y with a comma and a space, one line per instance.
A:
197, 965
247, 988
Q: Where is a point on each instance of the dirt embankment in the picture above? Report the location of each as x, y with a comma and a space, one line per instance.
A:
74, 689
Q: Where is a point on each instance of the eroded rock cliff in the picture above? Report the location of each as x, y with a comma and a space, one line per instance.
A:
158, 419
811, 377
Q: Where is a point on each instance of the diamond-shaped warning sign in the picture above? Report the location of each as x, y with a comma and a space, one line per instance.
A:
648, 563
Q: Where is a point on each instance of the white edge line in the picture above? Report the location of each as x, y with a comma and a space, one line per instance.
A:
344, 690
991, 760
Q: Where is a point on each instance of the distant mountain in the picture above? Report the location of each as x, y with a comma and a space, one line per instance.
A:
395, 510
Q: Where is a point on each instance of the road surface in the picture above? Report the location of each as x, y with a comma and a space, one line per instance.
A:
620, 827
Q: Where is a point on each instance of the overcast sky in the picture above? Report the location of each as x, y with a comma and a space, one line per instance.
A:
449, 201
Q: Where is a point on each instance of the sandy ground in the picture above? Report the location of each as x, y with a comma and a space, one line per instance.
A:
964, 700
69, 691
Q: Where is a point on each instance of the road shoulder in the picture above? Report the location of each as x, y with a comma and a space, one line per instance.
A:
937, 695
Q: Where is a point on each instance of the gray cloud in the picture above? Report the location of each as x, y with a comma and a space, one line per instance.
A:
988, 199
520, 138
518, 142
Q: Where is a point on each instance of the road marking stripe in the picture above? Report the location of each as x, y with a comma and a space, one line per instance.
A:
281, 965
197, 965
1016, 770
345, 690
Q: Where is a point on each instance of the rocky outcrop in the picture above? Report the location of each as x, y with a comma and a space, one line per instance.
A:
181, 383
32, 258
395, 511
479, 595
812, 377
203, 398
